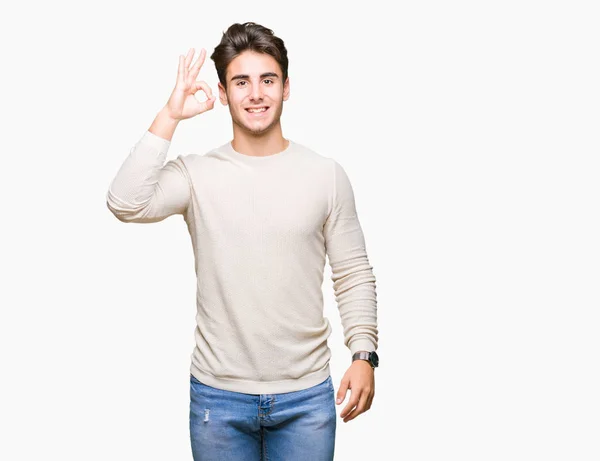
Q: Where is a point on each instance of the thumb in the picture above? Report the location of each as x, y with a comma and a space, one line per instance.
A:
207, 105
342, 391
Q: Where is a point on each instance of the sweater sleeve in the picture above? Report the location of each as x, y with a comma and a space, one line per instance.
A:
352, 275
145, 189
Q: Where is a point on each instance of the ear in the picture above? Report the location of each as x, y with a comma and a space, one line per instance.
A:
286, 89
222, 94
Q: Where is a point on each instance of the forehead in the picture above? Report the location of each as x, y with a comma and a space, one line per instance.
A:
253, 63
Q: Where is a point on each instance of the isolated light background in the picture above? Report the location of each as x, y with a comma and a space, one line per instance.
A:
469, 131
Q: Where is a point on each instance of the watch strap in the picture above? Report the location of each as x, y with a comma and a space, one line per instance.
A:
363, 355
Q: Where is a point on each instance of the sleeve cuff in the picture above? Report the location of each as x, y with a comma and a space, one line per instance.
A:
362, 345
158, 143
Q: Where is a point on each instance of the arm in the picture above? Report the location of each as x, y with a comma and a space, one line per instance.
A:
146, 189
355, 293
352, 275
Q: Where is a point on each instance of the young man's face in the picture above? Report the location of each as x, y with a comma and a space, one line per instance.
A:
254, 80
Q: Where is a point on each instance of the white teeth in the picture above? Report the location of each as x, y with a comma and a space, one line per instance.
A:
257, 110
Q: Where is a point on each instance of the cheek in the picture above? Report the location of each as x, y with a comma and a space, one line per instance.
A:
236, 97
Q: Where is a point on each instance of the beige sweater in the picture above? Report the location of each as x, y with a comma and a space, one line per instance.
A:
261, 228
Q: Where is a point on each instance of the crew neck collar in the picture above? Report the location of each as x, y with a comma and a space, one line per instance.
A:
256, 159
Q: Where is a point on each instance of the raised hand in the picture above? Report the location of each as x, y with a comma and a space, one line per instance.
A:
182, 103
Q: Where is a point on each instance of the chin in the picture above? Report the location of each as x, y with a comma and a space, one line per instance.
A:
258, 131
258, 128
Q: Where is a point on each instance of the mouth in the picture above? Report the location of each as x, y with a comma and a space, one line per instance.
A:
257, 111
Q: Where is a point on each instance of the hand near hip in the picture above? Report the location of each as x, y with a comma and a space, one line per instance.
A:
360, 379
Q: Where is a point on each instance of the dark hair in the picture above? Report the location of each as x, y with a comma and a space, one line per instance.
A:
248, 36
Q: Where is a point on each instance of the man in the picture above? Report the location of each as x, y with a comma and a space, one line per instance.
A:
263, 212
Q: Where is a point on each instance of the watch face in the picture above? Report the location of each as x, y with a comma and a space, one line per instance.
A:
375, 359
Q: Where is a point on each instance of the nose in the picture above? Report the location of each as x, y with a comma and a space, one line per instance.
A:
256, 93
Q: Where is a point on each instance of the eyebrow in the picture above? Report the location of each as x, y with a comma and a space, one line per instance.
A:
245, 76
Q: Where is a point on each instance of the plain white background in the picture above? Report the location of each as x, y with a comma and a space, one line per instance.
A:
469, 131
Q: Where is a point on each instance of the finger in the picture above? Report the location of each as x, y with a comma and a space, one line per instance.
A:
207, 105
210, 101
198, 64
201, 58
180, 71
202, 85
342, 391
354, 398
360, 408
188, 58
370, 400
184, 63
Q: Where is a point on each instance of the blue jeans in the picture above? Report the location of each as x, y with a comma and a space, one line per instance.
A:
291, 426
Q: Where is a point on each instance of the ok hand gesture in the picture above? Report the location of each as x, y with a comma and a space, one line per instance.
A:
182, 103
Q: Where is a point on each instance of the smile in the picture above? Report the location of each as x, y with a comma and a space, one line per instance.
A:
258, 111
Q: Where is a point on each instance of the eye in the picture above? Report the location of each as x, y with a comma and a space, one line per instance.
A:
268, 80
241, 81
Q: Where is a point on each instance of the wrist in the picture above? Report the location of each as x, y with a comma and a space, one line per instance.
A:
370, 357
164, 125
165, 115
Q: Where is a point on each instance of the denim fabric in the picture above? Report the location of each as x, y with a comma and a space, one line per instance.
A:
291, 426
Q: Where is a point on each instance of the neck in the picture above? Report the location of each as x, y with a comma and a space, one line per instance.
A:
259, 145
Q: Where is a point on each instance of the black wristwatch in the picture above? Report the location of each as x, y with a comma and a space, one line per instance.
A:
370, 357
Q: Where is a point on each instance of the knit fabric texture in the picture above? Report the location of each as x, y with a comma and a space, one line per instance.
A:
261, 229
